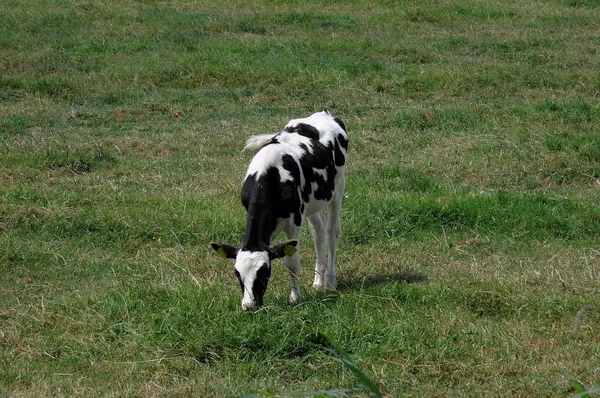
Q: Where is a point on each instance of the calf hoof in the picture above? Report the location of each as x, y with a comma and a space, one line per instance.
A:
294, 298
317, 285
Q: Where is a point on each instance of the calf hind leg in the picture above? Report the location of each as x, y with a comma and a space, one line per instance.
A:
334, 231
317, 228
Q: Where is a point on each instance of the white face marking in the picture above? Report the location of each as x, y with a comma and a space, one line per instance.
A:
247, 264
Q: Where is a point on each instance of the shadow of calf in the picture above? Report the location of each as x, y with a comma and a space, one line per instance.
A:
408, 276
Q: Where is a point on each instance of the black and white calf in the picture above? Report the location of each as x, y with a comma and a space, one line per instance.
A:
296, 174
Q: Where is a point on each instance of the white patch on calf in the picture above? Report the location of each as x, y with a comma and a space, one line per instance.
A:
270, 156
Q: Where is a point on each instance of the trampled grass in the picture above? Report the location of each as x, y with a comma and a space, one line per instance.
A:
471, 223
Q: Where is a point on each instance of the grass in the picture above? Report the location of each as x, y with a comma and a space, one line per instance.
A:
470, 223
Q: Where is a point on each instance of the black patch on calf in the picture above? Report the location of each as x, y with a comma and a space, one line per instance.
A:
290, 199
340, 123
260, 283
259, 220
321, 158
343, 141
340, 159
248, 190
291, 166
267, 199
305, 130
327, 185
307, 172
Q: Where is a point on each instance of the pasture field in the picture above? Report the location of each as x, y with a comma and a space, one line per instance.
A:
470, 226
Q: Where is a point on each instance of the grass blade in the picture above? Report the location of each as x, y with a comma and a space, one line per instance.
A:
581, 390
585, 393
339, 354
363, 378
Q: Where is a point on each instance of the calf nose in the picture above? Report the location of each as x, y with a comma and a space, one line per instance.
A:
246, 305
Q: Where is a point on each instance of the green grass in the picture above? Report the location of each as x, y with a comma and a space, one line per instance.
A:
471, 223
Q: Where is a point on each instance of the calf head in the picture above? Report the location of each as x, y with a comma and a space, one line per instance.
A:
253, 268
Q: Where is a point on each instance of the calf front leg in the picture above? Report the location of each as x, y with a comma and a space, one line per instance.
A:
292, 263
293, 266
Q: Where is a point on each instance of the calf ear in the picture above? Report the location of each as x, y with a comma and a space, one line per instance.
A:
224, 251
283, 249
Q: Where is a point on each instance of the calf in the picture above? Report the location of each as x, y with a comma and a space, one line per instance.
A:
296, 174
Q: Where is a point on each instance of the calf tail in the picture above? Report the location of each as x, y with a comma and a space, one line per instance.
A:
258, 141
